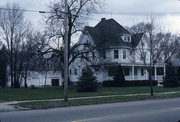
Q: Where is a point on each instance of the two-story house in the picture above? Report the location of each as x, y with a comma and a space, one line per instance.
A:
114, 46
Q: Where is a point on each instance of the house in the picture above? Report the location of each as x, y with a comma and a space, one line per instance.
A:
43, 71
114, 46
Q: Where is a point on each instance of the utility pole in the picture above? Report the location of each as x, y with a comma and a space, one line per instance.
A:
66, 53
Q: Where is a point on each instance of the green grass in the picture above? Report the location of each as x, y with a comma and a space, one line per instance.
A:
9, 94
55, 104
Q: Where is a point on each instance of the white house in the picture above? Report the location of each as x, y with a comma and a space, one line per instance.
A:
111, 46
114, 46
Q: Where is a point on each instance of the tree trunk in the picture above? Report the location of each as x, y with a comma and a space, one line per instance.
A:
151, 82
25, 79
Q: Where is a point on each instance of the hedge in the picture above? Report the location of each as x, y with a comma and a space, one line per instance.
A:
111, 83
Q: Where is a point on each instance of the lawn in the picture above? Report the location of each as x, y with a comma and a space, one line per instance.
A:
55, 104
8, 94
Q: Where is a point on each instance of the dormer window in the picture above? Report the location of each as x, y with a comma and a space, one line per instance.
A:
127, 38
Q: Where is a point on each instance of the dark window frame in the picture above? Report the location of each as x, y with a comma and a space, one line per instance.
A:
124, 54
116, 54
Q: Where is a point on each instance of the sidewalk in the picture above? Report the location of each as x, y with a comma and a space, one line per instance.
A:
9, 106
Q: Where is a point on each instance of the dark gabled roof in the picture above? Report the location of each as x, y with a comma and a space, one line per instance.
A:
136, 39
107, 33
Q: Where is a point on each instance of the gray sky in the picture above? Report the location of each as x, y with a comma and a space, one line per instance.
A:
170, 22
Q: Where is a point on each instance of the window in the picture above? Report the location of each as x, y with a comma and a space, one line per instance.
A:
116, 54
104, 54
124, 54
135, 71
130, 52
160, 71
75, 71
97, 71
128, 39
93, 55
83, 70
142, 71
70, 71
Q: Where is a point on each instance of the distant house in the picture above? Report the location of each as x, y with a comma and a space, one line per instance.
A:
45, 71
114, 46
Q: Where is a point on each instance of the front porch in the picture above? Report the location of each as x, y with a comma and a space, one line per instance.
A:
139, 72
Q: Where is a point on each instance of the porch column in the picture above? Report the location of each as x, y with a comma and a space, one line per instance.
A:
146, 74
133, 72
164, 69
155, 72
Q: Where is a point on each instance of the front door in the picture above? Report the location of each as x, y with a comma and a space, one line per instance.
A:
55, 82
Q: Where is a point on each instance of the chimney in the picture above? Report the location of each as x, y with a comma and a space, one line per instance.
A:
103, 19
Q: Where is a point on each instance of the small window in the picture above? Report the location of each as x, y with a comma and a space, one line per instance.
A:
70, 71
124, 54
130, 52
116, 54
75, 71
142, 71
83, 70
125, 39
97, 71
135, 71
128, 39
93, 55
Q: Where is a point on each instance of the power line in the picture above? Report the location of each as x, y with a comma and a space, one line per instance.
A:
26, 10
142, 13
34, 11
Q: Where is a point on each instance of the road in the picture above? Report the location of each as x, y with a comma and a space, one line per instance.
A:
167, 110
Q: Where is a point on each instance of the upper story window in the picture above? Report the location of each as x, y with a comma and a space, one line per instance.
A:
130, 52
116, 54
83, 70
104, 54
93, 55
124, 54
75, 71
127, 38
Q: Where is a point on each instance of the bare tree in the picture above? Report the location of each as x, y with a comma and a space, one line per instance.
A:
171, 45
72, 13
78, 12
157, 46
14, 30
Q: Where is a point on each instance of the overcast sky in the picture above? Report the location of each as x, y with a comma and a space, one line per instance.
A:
113, 8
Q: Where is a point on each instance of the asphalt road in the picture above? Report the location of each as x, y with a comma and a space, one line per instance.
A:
167, 110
